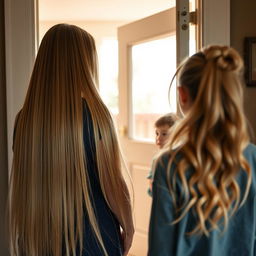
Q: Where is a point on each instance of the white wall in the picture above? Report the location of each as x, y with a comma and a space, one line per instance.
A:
20, 44
216, 22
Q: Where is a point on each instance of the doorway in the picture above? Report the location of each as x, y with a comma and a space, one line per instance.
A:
20, 27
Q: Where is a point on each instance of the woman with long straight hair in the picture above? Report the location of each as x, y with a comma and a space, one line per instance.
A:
204, 190
67, 192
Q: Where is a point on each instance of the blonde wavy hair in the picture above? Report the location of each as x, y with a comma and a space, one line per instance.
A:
49, 187
207, 145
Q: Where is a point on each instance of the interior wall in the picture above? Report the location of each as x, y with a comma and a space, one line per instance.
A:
3, 138
20, 51
243, 22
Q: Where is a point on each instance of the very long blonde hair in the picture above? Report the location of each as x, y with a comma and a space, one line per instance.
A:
210, 139
49, 187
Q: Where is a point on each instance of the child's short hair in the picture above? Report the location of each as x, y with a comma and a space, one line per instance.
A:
168, 119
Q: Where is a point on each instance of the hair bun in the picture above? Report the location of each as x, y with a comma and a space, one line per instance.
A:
226, 58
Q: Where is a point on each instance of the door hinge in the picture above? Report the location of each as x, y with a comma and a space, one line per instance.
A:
193, 18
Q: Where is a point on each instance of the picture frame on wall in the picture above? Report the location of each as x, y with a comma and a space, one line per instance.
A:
250, 60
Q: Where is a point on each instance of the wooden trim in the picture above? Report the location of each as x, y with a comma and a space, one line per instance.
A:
141, 30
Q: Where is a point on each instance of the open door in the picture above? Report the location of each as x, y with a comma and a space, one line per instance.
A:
149, 50
140, 89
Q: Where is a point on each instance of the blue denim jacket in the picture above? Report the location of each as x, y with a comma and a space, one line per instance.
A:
166, 239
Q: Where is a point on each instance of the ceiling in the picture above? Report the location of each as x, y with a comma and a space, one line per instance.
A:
100, 10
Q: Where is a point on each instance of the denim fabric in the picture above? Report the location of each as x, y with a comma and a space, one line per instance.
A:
166, 239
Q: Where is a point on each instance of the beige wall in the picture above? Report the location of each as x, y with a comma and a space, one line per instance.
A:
243, 21
3, 137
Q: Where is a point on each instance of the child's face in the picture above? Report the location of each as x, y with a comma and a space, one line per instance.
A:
162, 134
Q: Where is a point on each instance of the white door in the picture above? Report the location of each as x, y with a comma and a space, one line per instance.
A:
148, 53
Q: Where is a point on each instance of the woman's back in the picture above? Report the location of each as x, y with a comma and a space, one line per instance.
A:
109, 226
52, 182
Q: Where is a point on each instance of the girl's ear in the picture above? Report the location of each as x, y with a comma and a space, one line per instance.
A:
184, 99
183, 95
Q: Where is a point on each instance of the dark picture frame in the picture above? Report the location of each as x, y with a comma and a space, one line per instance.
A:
250, 60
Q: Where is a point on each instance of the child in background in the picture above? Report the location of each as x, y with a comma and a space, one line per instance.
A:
162, 126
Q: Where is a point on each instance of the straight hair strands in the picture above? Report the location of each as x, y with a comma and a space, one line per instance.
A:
49, 188
210, 140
